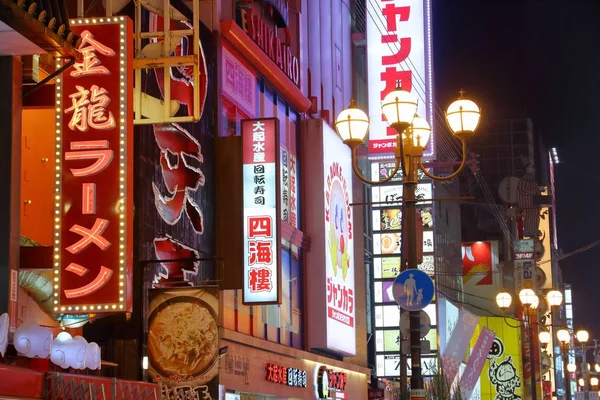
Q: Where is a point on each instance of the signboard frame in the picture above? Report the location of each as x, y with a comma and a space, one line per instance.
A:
92, 120
276, 215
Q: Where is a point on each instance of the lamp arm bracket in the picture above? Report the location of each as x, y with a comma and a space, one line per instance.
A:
519, 325
367, 181
455, 173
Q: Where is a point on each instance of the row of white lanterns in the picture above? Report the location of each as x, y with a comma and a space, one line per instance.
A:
34, 341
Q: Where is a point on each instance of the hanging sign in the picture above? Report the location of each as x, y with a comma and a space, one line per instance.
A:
93, 210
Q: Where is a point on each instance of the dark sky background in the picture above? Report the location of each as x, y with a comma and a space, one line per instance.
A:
538, 59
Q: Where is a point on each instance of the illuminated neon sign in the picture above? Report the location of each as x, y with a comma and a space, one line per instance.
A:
93, 180
261, 216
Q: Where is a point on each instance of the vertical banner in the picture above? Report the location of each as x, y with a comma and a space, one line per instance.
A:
523, 256
459, 341
330, 225
399, 50
339, 243
284, 184
293, 204
183, 341
262, 277
93, 192
475, 364
502, 376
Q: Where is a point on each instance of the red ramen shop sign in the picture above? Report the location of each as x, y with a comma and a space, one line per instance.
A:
286, 376
93, 182
265, 37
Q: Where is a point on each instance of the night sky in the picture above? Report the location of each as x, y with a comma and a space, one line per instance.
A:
538, 59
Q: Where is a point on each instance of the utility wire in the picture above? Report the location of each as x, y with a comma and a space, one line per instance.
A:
581, 171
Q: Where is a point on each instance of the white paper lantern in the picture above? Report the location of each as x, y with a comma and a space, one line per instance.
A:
32, 340
4, 324
92, 356
76, 354
60, 349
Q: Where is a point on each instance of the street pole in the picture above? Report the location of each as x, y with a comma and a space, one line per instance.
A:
586, 373
409, 234
531, 355
567, 382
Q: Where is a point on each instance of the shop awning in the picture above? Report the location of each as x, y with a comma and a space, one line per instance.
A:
21, 382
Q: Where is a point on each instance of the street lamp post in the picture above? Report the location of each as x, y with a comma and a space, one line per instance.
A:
582, 337
564, 337
400, 110
530, 301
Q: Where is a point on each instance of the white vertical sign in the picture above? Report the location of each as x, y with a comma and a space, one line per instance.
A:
339, 243
398, 50
261, 219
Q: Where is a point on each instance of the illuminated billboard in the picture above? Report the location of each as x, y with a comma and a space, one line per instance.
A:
261, 219
398, 50
331, 259
93, 210
481, 275
386, 233
339, 243
502, 374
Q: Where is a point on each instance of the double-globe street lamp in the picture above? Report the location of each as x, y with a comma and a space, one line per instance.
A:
583, 337
530, 301
564, 339
412, 137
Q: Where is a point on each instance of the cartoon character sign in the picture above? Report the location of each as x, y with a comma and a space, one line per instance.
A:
340, 223
503, 374
338, 244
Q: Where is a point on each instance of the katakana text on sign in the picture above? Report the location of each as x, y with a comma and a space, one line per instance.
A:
92, 220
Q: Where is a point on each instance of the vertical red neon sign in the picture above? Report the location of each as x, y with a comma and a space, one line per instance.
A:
93, 181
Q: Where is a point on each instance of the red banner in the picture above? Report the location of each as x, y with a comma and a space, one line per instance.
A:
94, 190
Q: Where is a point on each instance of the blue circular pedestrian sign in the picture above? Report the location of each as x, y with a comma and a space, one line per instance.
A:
413, 290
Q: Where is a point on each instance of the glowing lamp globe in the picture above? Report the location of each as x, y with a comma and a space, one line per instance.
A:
527, 297
594, 381
399, 108
597, 368
563, 336
555, 298
503, 299
352, 125
545, 337
581, 382
463, 117
421, 131
571, 368
535, 302
582, 336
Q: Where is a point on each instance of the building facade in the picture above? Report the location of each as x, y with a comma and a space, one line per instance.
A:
277, 300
